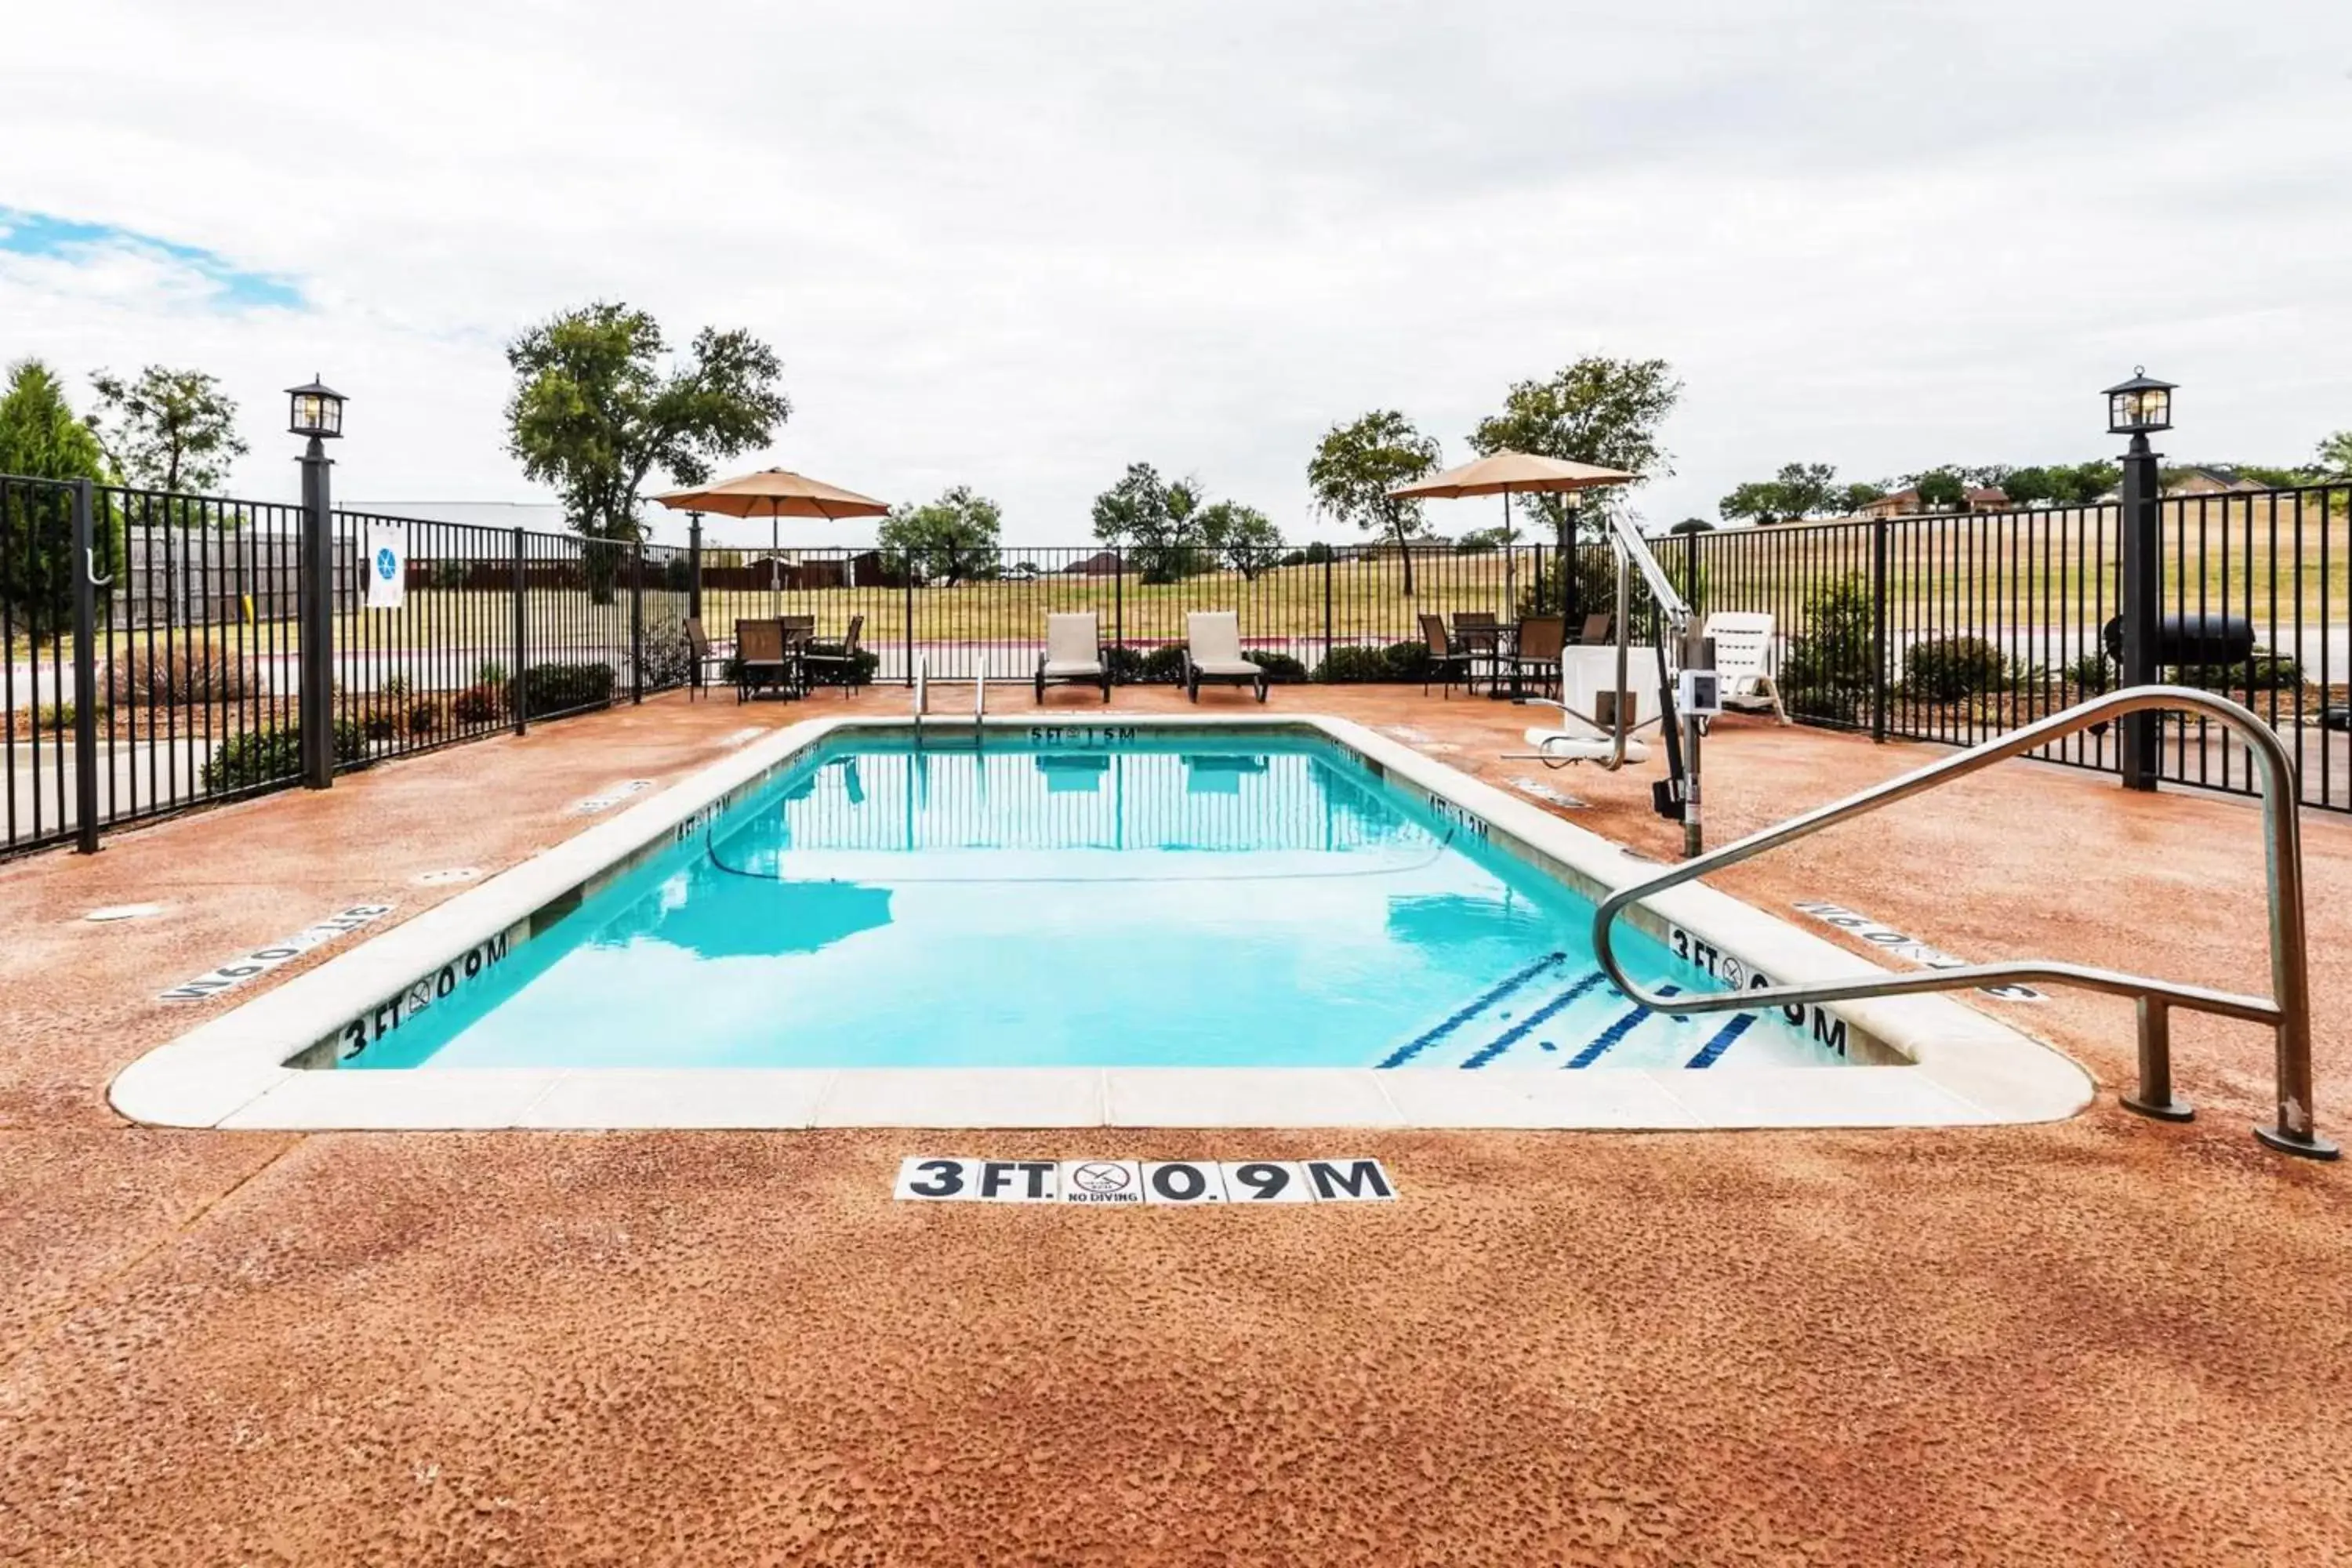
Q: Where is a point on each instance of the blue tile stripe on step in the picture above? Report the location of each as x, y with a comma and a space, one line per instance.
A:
1616, 1031
1712, 1052
1533, 1021
1413, 1048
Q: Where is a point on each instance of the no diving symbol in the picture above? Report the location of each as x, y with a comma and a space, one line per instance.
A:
1100, 1178
387, 563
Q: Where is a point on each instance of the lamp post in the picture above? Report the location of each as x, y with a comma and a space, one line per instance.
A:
315, 410
2136, 408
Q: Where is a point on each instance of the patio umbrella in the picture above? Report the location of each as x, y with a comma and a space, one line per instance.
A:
1507, 473
774, 493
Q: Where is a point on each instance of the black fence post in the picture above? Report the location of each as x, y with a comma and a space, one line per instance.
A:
637, 622
317, 707
1118, 595
1327, 605
907, 576
518, 693
1878, 649
2143, 593
85, 631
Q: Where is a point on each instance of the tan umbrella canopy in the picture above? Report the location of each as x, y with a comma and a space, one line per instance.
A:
1503, 474
774, 493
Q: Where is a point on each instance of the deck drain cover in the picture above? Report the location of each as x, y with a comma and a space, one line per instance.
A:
443, 879
124, 912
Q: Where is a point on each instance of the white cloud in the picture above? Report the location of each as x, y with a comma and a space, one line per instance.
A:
1020, 246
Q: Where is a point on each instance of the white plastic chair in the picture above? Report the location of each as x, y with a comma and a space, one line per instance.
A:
1213, 651
1747, 657
1073, 654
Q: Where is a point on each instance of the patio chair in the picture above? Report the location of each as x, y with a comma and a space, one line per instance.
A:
706, 655
1073, 654
1597, 628
1213, 651
1746, 655
839, 661
764, 658
1536, 654
1449, 656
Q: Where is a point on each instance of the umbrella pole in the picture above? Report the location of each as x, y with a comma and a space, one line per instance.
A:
775, 567
1510, 563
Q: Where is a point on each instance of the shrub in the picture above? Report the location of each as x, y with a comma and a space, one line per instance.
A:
1164, 665
1349, 666
1281, 669
1295, 558
561, 688
1945, 670
266, 756
157, 677
477, 705
381, 726
1316, 555
2093, 672
1125, 664
678, 574
392, 689
666, 658
61, 715
2264, 672
1406, 660
868, 661
425, 717
450, 575
491, 673
1827, 675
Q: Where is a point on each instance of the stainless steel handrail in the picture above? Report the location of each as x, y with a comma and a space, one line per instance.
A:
922, 694
2287, 1010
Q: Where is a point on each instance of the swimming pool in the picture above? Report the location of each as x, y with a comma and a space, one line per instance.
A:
1107, 900
1260, 920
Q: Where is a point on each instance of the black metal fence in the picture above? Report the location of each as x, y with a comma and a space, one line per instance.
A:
1934, 628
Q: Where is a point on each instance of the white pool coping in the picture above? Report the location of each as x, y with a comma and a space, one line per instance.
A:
1956, 1066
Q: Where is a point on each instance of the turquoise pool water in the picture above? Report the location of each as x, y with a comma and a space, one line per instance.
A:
1138, 900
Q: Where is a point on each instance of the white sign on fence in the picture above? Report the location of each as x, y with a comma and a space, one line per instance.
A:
387, 565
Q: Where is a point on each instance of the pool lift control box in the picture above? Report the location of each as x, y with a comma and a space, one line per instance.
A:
1697, 693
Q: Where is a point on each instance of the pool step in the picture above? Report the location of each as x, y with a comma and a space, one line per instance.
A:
1547, 1015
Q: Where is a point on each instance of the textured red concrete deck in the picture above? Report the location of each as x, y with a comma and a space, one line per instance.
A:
2104, 1340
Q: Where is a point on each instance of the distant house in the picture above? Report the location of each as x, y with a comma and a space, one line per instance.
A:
1901, 504
1101, 564
1908, 502
2210, 482
1984, 498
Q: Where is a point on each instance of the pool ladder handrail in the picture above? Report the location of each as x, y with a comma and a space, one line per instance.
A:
2287, 1010
923, 703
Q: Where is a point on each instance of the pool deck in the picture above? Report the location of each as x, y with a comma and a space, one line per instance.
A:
2098, 1340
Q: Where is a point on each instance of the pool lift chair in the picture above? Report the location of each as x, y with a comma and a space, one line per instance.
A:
1611, 742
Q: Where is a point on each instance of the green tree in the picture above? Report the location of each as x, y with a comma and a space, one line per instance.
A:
2335, 456
1596, 410
170, 430
1940, 490
1693, 525
595, 412
1757, 500
1807, 489
951, 539
1356, 464
1151, 519
1860, 494
41, 438
1245, 536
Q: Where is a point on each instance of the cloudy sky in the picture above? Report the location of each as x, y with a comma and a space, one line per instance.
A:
1019, 245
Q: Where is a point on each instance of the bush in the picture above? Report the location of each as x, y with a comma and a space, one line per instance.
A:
451, 575
1126, 665
1163, 665
392, 689
1281, 669
2264, 672
666, 658
1317, 554
836, 675
381, 726
61, 715
159, 678
1945, 670
491, 673
425, 717
477, 705
1349, 666
561, 688
1406, 660
2090, 673
1828, 672
678, 574
1295, 558
267, 757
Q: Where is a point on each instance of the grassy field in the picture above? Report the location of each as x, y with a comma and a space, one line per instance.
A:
2037, 569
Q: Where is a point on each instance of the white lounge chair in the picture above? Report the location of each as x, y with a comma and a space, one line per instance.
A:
1073, 654
1213, 651
1746, 655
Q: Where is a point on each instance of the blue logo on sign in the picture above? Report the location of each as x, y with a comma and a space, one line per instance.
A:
385, 564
